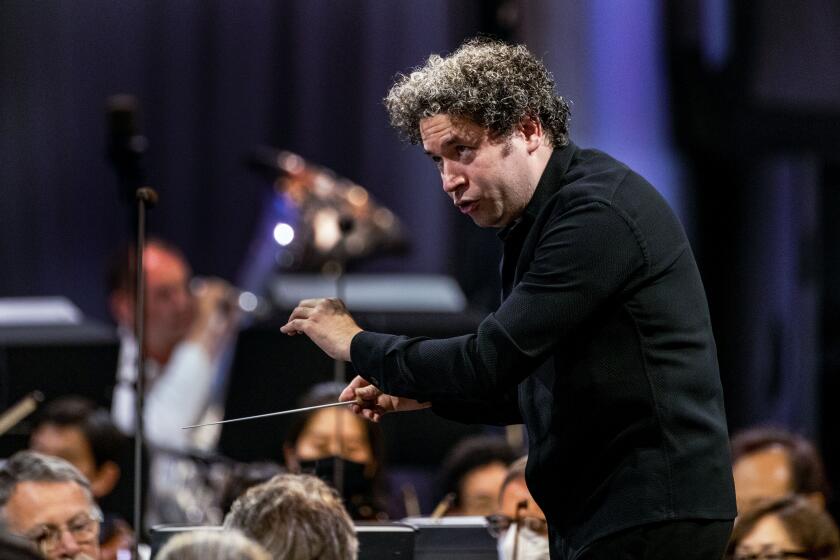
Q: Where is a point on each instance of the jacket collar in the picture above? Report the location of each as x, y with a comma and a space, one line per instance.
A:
549, 183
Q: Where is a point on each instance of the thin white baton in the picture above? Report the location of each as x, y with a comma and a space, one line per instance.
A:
281, 413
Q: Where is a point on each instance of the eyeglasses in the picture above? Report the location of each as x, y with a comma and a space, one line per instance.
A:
83, 527
767, 553
499, 523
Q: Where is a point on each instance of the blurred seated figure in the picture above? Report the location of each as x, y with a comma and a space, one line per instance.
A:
771, 463
519, 524
315, 441
212, 545
73, 429
186, 334
473, 472
789, 527
47, 501
295, 517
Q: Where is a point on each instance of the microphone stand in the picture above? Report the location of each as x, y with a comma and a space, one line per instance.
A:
125, 149
346, 225
145, 197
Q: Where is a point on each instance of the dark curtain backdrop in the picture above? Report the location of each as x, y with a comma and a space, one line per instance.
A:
756, 113
214, 78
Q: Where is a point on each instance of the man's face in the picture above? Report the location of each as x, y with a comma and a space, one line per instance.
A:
479, 489
66, 442
516, 492
530, 540
763, 474
486, 176
169, 309
37, 508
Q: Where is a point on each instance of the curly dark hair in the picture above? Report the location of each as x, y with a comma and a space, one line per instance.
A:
490, 82
471, 453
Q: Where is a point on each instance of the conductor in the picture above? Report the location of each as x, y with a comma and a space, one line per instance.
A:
602, 345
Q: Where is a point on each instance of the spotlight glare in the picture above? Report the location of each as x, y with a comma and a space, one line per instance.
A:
283, 234
248, 302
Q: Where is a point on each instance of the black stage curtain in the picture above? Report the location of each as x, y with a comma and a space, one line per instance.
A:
214, 78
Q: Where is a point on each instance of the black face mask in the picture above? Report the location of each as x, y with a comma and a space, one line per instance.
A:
356, 487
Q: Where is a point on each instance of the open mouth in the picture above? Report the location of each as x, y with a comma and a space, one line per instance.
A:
467, 206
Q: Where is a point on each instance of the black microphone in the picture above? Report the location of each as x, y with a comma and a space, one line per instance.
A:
125, 145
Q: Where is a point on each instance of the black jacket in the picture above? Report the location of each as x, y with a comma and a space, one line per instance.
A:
602, 345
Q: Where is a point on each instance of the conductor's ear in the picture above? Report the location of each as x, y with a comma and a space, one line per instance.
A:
532, 131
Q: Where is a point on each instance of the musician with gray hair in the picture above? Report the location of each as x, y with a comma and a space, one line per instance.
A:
295, 517
212, 545
47, 501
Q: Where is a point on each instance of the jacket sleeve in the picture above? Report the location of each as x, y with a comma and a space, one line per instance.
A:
584, 257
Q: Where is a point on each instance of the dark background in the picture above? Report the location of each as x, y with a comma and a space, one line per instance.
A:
731, 108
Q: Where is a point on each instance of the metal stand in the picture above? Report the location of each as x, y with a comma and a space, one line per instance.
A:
126, 147
146, 197
339, 377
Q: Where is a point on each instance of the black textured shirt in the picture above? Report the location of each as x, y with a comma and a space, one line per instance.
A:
602, 346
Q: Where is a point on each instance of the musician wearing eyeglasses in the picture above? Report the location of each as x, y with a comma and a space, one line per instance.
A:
47, 501
519, 524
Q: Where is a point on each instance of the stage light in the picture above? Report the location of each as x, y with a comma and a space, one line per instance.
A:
325, 224
283, 234
357, 196
248, 302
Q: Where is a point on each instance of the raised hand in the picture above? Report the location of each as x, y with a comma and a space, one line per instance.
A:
327, 323
215, 313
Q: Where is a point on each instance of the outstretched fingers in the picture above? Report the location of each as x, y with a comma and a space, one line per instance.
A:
296, 323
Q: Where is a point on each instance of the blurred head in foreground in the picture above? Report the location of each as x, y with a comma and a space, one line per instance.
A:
295, 517
212, 545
